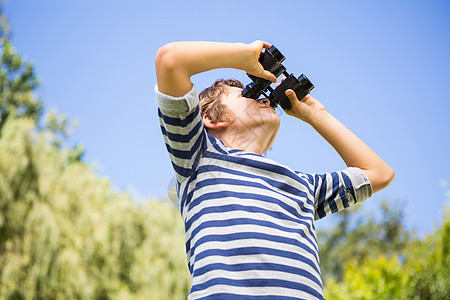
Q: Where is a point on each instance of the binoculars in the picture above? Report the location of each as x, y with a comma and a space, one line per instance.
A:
271, 60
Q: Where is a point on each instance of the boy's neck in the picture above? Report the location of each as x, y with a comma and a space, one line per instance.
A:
256, 140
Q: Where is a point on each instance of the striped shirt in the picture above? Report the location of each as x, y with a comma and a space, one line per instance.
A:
249, 221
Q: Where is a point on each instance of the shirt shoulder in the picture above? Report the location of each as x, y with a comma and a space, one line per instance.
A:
171, 105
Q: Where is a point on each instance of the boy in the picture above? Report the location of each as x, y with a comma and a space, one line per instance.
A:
249, 220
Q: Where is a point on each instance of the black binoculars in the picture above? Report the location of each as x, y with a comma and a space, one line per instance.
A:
271, 60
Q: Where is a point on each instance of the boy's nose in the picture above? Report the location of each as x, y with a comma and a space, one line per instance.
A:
265, 101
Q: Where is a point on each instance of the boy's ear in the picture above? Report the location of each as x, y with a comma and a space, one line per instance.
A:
210, 124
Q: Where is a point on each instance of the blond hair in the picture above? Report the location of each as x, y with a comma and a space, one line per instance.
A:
211, 100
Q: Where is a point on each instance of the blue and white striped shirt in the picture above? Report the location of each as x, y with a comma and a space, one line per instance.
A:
249, 221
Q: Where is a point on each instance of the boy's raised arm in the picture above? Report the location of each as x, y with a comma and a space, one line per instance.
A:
353, 150
177, 62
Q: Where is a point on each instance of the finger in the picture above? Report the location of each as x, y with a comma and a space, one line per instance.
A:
269, 76
261, 44
304, 99
266, 45
291, 95
282, 79
292, 98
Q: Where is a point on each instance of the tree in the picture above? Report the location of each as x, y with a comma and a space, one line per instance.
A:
18, 81
65, 233
381, 260
428, 264
362, 238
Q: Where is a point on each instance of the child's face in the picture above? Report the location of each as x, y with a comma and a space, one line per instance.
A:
250, 113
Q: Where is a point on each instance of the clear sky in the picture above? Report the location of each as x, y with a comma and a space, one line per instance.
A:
381, 67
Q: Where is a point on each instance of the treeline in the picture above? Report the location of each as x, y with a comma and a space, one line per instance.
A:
65, 233
365, 257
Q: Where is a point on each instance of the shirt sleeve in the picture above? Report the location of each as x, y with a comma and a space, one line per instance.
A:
336, 191
182, 129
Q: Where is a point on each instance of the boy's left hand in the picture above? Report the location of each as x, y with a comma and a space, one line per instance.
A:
307, 109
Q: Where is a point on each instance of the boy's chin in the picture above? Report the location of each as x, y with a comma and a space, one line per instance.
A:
274, 122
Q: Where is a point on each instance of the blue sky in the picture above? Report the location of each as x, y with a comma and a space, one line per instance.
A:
381, 67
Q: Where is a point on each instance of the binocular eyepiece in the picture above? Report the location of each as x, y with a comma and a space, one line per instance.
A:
271, 60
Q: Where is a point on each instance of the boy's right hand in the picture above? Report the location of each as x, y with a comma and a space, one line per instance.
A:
251, 64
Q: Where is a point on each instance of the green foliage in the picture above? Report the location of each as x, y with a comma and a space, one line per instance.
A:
65, 233
360, 239
17, 83
383, 261
373, 278
428, 264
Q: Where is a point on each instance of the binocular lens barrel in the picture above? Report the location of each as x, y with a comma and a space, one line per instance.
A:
305, 83
271, 60
251, 90
276, 54
301, 86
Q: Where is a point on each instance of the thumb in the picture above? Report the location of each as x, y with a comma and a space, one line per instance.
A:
291, 95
